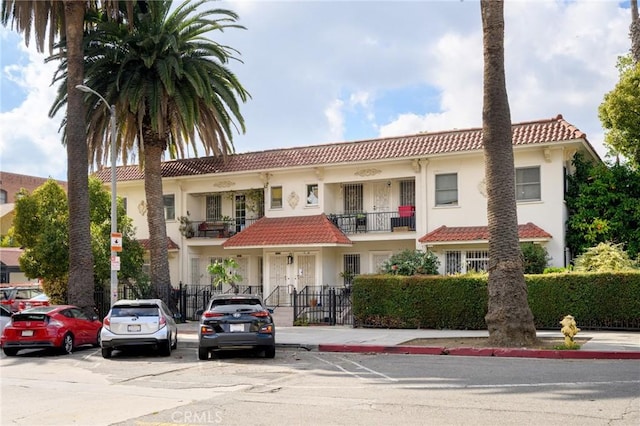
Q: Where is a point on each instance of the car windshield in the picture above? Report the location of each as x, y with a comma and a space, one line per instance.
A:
135, 311
232, 308
235, 301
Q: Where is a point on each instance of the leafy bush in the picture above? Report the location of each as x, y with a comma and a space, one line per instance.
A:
605, 257
412, 262
536, 258
556, 270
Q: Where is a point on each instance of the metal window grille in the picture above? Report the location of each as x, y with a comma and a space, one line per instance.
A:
213, 207
351, 268
528, 183
195, 270
477, 260
353, 199
447, 189
453, 262
407, 193
241, 211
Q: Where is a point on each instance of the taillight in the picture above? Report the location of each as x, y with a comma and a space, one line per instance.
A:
268, 328
54, 323
205, 329
162, 322
106, 322
261, 314
209, 314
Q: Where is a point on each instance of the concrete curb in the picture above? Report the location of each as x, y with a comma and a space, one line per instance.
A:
497, 352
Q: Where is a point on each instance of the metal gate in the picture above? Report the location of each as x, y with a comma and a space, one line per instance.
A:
322, 305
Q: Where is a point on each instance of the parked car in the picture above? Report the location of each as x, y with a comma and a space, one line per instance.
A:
144, 322
5, 317
11, 296
236, 322
39, 300
63, 327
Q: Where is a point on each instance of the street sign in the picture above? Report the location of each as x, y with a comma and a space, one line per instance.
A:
115, 263
116, 241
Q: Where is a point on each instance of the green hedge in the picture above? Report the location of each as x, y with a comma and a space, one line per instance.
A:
460, 302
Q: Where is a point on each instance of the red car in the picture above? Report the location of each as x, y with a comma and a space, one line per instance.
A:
39, 300
62, 327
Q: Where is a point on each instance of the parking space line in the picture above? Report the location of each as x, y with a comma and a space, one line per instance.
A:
360, 366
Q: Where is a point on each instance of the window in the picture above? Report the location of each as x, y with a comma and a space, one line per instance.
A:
407, 193
477, 260
276, 197
3, 196
213, 207
353, 198
528, 183
312, 195
447, 189
169, 207
351, 268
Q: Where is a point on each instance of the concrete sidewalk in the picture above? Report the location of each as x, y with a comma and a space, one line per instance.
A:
601, 344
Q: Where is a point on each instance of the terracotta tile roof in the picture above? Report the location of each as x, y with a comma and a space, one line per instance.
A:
412, 146
443, 234
9, 256
171, 245
289, 231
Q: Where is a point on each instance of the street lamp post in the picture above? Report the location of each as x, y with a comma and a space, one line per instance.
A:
114, 203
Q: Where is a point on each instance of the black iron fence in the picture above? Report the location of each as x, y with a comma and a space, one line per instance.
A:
187, 301
322, 305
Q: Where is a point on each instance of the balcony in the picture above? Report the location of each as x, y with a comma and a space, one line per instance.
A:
355, 223
218, 228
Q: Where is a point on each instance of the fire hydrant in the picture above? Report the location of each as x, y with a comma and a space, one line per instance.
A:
569, 329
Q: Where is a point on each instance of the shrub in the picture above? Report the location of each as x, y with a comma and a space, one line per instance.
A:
412, 262
536, 258
605, 257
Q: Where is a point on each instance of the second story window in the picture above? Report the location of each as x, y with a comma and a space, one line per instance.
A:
213, 207
276, 197
447, 189
353, 202
169, 206
528, 184
407, 193
312, 195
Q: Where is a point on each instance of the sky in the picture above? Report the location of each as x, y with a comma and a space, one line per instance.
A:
322, 72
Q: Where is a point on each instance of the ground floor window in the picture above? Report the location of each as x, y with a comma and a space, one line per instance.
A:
473, 261
351, 268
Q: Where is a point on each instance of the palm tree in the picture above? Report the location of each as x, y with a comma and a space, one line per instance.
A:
509, 318
635, 32
167, 81
50, 20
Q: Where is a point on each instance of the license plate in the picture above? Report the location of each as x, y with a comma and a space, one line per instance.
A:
133, 328
27, 333
236, 327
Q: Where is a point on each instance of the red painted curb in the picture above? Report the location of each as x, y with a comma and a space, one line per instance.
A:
497, 352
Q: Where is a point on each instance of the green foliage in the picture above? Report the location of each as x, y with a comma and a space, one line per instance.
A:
225, 273
460, 302
412, 262
41, 228
556, 270
536, 258
620, 110
603, 206
605, 257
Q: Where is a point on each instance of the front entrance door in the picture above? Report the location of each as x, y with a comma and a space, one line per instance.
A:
305, 265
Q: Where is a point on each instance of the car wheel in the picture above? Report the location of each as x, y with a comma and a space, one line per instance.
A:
10, 351
165, 348
175, 342
106, 352
270, 351
203, 354
67, 343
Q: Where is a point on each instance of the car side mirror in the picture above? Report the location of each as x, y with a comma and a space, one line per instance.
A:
270, 310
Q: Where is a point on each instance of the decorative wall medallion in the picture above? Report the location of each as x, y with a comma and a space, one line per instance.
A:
224, 184
293, 199
142, 207
367, 172
482, 187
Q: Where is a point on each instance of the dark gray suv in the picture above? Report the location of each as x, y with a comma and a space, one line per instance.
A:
236, 321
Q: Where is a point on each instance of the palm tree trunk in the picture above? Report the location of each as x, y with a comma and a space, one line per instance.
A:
635, 32
509, 318
81, 280
159, 256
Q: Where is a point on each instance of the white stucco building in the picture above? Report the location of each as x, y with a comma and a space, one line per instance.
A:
304, 216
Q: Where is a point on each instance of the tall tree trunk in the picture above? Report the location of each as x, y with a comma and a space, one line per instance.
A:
81, 280
509, 318
635, 32
159, 262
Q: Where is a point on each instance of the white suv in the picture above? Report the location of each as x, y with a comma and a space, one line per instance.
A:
139, 323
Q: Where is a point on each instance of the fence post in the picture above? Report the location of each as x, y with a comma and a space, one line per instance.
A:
294, 295
332, 306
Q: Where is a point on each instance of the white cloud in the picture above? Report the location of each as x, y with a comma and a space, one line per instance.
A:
335, 119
